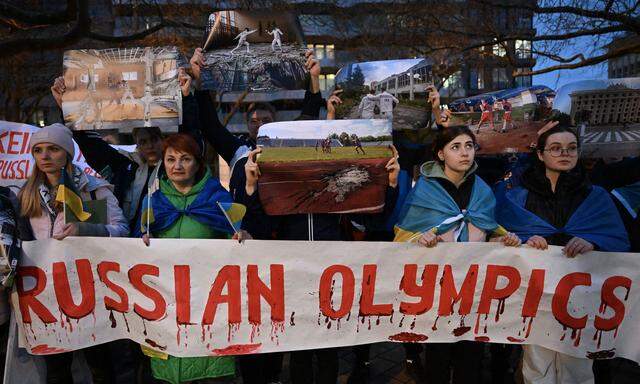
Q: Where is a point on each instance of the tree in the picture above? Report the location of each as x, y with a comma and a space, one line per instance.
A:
357, 78
467, 31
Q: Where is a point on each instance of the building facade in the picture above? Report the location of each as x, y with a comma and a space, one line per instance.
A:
624, 66
614, 105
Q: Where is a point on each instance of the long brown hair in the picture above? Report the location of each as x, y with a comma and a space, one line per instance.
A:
29, 195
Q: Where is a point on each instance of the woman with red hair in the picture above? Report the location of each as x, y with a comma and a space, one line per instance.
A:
184, 198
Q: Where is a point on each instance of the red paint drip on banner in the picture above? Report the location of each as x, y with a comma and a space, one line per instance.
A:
408, 337
237, 349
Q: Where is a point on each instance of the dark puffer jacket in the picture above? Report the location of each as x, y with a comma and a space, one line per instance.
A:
555, 207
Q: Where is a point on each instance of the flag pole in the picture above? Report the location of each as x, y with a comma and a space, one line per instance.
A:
64, 200
228, 218
148, 208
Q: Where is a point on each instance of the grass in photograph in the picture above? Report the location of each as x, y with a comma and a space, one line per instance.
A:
309, 153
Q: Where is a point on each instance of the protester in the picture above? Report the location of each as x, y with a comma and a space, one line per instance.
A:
450, 203
557, 205
129, 173
185, 206
42, 217
262, 368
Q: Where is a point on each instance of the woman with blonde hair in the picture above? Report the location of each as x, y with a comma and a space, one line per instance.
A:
42, 217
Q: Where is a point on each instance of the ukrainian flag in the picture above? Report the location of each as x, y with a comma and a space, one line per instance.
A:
147, 214
234, 212
69, 196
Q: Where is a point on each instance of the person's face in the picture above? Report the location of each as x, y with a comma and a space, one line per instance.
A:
181, 167
560, 152
149, 146
50, 158
458, 154
258, 118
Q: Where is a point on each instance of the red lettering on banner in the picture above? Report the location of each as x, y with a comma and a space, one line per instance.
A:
449, 295
326, 291
257, 289
63, 290
561, 299
609, 299
2, 136
367, 296
103, 269
11, 150
228, 276
27, 299
491, 292
534, 293
135, 277
26, 136
425, 291
182, 277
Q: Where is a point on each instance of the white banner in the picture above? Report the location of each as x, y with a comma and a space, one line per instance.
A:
218, 297
16, 162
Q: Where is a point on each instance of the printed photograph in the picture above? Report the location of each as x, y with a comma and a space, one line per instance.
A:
253, 52
606, 114
505, 121
122, 88
324, 166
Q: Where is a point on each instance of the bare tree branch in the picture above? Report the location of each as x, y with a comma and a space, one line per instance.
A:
25, 17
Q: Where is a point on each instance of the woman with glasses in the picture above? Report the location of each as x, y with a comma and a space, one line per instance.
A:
555, 204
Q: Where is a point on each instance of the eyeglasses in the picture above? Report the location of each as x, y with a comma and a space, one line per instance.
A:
558, 151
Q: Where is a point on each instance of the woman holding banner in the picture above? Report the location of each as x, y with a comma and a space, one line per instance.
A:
45, 214
557, 205
188, 202
451, 203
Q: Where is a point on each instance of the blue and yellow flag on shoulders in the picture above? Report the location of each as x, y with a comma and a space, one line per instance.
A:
70, 197
234, 212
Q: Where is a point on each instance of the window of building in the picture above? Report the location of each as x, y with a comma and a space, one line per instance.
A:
130, 76
473, 78
500, 78
319, 50
499, 50
327, 81
454, 81
523, 49
330, 50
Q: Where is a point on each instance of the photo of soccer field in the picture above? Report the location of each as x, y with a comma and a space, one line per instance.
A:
289, 154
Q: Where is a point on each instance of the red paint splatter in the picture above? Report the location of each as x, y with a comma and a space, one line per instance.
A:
434, 327
482, 339
460, 331
144, 325
232, 328
515, 340
476, 328
529, 327
126, 322
292, 321
153, 344
202, 332
500, 310
237, 349
408, 337
413, 323
44, 349
112, 319
401, 321
349, 316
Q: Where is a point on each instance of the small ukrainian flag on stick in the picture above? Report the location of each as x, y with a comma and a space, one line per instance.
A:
234, 213
69, 197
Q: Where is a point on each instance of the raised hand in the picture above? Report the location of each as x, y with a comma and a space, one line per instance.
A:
393, 167
58, 89
252, 171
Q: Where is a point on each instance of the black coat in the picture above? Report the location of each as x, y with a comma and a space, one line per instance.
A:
555, 207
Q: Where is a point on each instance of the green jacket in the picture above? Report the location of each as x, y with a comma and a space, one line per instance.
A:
180, 369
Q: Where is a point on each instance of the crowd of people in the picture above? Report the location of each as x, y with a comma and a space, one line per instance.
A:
547, 198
